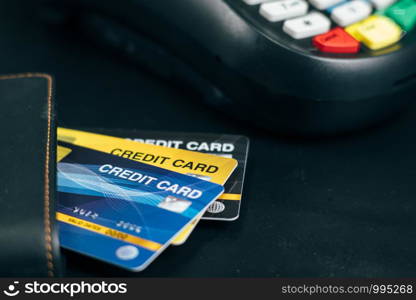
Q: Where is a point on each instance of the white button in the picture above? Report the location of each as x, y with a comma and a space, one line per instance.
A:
310, 25
351, 12
324, 4
382, 4
255, 2
284, 9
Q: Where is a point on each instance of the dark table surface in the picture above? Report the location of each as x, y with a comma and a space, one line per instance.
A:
333, 207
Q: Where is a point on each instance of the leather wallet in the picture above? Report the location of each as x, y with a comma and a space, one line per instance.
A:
28, 239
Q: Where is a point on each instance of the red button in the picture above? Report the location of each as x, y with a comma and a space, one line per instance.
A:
336, 41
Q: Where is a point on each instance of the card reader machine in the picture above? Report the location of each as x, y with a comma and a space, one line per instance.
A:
294, 66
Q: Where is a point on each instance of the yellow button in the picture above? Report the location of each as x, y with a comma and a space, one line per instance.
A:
353, 30
376, 32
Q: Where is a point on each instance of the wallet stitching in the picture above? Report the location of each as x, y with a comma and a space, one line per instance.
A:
47, 202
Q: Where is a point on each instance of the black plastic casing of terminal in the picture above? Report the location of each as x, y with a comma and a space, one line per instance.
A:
245, 68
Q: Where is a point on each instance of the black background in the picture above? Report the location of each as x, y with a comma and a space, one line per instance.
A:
331, 207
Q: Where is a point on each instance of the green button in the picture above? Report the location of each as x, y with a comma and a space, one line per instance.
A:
404, 13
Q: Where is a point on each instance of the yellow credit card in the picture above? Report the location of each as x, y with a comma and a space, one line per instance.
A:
209, 167
181, 238
62, 152
205, 166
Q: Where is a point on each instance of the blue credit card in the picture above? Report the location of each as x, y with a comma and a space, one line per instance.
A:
122, 211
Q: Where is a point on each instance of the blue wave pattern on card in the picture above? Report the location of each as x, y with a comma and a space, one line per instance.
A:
144, 199
86, 180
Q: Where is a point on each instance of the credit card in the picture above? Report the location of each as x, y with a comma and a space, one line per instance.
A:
62, 153
213, 168
227, 206
121, 211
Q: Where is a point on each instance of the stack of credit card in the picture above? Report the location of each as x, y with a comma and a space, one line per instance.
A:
124, 196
